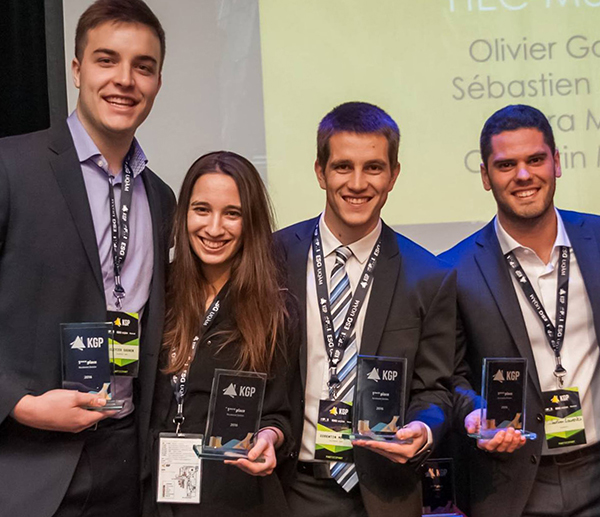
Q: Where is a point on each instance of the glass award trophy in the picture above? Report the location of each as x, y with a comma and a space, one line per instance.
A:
438, 488
86, 360
503, 399
234, 414
379, 398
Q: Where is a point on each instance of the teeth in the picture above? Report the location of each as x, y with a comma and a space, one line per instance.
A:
525, 193
356, 200
120, 101
213, 245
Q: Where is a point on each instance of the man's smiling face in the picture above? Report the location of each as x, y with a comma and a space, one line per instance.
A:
357, 178
118, 78
521, 173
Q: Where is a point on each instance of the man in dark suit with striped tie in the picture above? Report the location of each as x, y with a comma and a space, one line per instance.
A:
404, 307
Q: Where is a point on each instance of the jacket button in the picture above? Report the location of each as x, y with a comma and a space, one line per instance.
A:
209, 342
540, 417
533, 459
294, 454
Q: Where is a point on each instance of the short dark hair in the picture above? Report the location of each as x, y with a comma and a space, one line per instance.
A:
124, 11
511, 118
361, 118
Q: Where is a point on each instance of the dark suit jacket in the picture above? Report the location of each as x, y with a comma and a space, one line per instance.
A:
491, 325
50, 274
410, 314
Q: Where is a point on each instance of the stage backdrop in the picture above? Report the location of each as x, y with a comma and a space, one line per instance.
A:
257, 76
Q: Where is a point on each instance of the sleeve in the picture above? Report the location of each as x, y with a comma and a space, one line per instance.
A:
465, 399
277, 407
11, 389
430, 389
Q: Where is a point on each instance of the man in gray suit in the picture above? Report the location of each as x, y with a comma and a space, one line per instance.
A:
529, 287
66, 257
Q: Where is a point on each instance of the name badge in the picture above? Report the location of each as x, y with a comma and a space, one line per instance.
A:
335, 420
125, 343
179, 468
564, 425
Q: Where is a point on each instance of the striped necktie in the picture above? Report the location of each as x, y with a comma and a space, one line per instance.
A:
339, 301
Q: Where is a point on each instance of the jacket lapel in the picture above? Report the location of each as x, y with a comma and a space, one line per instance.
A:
67, 170
153, 321
586, 250
495, 272
297, 259
387, 270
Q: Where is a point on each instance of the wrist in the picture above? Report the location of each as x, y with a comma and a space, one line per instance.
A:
23, 409
272, 435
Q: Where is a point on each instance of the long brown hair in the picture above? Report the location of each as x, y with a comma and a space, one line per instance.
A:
254, 292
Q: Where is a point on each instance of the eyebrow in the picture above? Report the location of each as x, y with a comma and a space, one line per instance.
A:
337, 163
540, 154
206, 203
114, 53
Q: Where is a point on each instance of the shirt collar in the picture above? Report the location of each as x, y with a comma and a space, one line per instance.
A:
507, 243
87, 150
361, 248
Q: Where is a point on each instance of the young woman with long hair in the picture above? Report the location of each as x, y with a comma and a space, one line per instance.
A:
224, 251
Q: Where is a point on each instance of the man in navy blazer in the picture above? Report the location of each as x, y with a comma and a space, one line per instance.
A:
57, 457
548, 476
408, 312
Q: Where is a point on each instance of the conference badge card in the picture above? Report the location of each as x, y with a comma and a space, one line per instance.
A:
125, 343
179, 469
234, 414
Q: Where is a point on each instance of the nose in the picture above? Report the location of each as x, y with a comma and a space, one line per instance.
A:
357, 181
124, 75
523, 173
214, 228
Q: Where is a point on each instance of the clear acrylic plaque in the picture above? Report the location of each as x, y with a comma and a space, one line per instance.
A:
503, 405
234, 415
86, 360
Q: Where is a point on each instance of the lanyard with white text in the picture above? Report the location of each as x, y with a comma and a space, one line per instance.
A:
554, 334
335, 346
179, 381
119, 228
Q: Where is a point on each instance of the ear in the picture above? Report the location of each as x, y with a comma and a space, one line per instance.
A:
557, 169
320, 175
485, 177
395, 174
75, 71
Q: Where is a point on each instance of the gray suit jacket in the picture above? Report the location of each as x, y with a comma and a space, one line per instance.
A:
50, 274
410, 314
491, 325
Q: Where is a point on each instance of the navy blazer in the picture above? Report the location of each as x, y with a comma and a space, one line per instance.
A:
491, 325
50, 274
411, 313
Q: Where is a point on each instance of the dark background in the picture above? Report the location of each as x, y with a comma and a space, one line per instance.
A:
32, 74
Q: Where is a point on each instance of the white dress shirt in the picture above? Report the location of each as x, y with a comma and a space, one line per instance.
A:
580, 352
317, 372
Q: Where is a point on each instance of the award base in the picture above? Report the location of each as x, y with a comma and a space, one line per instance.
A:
442, 515
224, 455
488, 434
388, 438
111, 405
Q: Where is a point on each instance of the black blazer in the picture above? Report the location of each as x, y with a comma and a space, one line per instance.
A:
226, 490
50, 274
411, 313
491, 325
